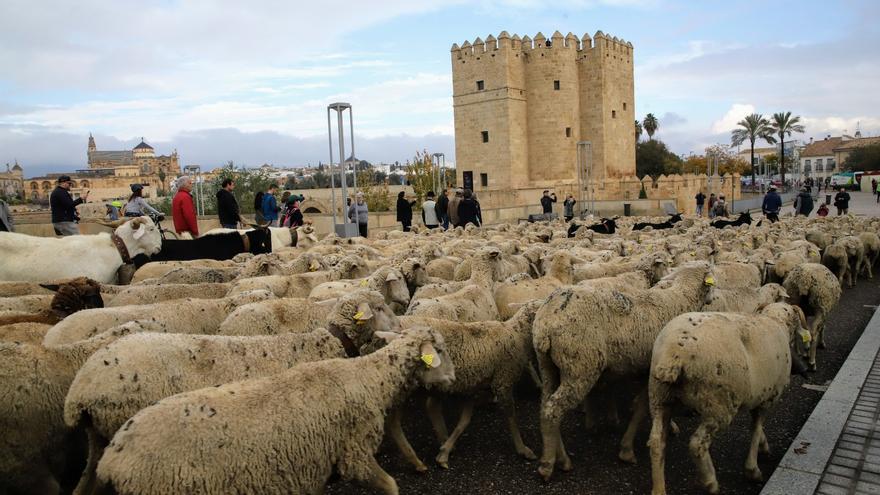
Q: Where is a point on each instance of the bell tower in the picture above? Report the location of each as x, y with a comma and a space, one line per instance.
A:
92, 146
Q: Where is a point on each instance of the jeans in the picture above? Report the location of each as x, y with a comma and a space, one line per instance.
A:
66, 228
444, 219
699, 210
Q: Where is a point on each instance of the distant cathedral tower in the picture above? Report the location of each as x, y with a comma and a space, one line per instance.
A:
92, 146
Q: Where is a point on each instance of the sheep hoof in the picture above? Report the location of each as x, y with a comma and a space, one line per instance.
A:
565, 465
443, 459
812, 366
673, 428
754, 474
821, 344
528, 454
421, 468
627, 456
712, 487
545, 471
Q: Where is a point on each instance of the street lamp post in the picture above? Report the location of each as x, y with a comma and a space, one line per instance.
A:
440, 171
343, 229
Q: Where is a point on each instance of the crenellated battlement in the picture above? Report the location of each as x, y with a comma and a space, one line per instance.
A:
557, 41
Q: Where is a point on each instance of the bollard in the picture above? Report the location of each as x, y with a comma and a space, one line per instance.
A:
626, 209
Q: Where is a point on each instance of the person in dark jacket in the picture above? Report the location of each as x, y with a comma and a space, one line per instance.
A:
841, 201
270, 206
771, 205
404, 211
804, 202
442, 209
64, 207
468, 210
293, 217
547, 201
227, 206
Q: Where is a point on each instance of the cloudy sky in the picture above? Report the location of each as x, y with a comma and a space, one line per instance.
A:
250, 81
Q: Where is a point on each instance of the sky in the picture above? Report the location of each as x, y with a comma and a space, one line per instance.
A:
251, 81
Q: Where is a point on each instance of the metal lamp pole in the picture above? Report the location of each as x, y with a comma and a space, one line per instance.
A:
339, 108
440, 181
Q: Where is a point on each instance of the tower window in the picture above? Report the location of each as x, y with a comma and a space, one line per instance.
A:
624, 105
568, 132
614, 114
485, 135
480, 86
484, 180
556, 85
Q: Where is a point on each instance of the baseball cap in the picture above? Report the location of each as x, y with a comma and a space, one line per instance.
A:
63, 178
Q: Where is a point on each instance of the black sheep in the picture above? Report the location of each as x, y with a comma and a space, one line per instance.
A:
668, 224
744, 219
605, 226
216, 246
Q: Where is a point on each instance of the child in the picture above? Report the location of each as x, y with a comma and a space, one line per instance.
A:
822, 211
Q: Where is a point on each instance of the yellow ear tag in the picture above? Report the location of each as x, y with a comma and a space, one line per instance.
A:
357, 317
693, 253
805, 336
428, 359
364, 283
710, 281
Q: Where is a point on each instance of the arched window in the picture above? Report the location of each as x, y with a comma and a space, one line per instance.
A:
46, 185
312, 209
34, 186
84, 183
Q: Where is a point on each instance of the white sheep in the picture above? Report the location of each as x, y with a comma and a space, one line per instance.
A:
836, 260
737, 275
150, 294
744, 299
24, 333
582, 332
387, 280
814, 289
339, 406
301, 285
473, 302
871, 241
717, 364
157, 269
36, 259
138, 370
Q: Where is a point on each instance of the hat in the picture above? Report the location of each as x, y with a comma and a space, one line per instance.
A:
63, 178
772, 188
136, 187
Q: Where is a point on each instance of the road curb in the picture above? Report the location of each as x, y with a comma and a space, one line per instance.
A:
800, 472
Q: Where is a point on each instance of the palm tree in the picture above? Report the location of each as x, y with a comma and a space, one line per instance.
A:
639, 130
753, 127
650, 124
783, 125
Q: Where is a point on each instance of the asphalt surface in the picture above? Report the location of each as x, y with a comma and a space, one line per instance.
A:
484, 461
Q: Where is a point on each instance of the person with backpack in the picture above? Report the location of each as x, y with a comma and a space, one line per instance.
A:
270, 206
293, 217
803, 203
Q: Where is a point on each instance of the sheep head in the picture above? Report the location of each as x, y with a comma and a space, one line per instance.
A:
427, 349
75, 295
359, 315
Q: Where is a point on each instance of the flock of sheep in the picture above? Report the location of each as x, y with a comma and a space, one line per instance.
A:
270, 373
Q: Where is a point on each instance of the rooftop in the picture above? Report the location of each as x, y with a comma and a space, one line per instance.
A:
824, 147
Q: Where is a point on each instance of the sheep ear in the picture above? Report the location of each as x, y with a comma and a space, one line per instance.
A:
140, 231
391, 277
386, 336
429, 355
783, 294
52, 287
364, 313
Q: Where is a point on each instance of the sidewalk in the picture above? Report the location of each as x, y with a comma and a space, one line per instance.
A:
838, 449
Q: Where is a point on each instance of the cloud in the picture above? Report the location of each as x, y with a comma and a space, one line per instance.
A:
737, 112
672, 119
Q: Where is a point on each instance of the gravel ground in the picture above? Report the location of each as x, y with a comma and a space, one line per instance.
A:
484, 461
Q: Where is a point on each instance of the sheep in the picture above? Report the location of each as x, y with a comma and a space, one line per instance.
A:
302, 284
443, 268
159, 268
339, 406
716, 364
305, 262
194, 275
653, 264
871, 241
356, 315
581, 333
737, 276
69, 297
150, 294
488, 354
26, 333
36, 259
744, 299
836, 260
387, 281
508, 265
510, 295
37, 447
183, 316
473, 302
138, 370
814, 289
855, 253
821, 239
15, 289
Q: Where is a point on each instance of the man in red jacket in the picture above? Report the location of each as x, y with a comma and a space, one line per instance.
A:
183, 211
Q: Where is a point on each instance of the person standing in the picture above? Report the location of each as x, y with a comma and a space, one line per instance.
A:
568, 204
442, 209
841, 201
64, 207
547, 201
453, 207
804, 202
6, 224
701, 200
873, 187
467, 210
771, 205
404, 211
137, 206
720, 207
227, 206
293, 217
270, 206
183, 210
429, 212
358, 212
711, 205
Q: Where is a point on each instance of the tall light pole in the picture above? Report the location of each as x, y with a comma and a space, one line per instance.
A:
344, 229
440, 181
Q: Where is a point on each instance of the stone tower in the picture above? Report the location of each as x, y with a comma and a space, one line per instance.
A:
521, 106
92, 146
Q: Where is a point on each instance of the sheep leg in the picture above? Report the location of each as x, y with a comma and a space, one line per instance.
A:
866, 265
753, 472
379, 479
571, 391
508, 407
464, 420
820, 323
394, 428
640, 410
700, 442
657, 443
88, 480
589, 414
435, 414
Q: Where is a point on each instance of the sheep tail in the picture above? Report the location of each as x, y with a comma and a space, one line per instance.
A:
667, 371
